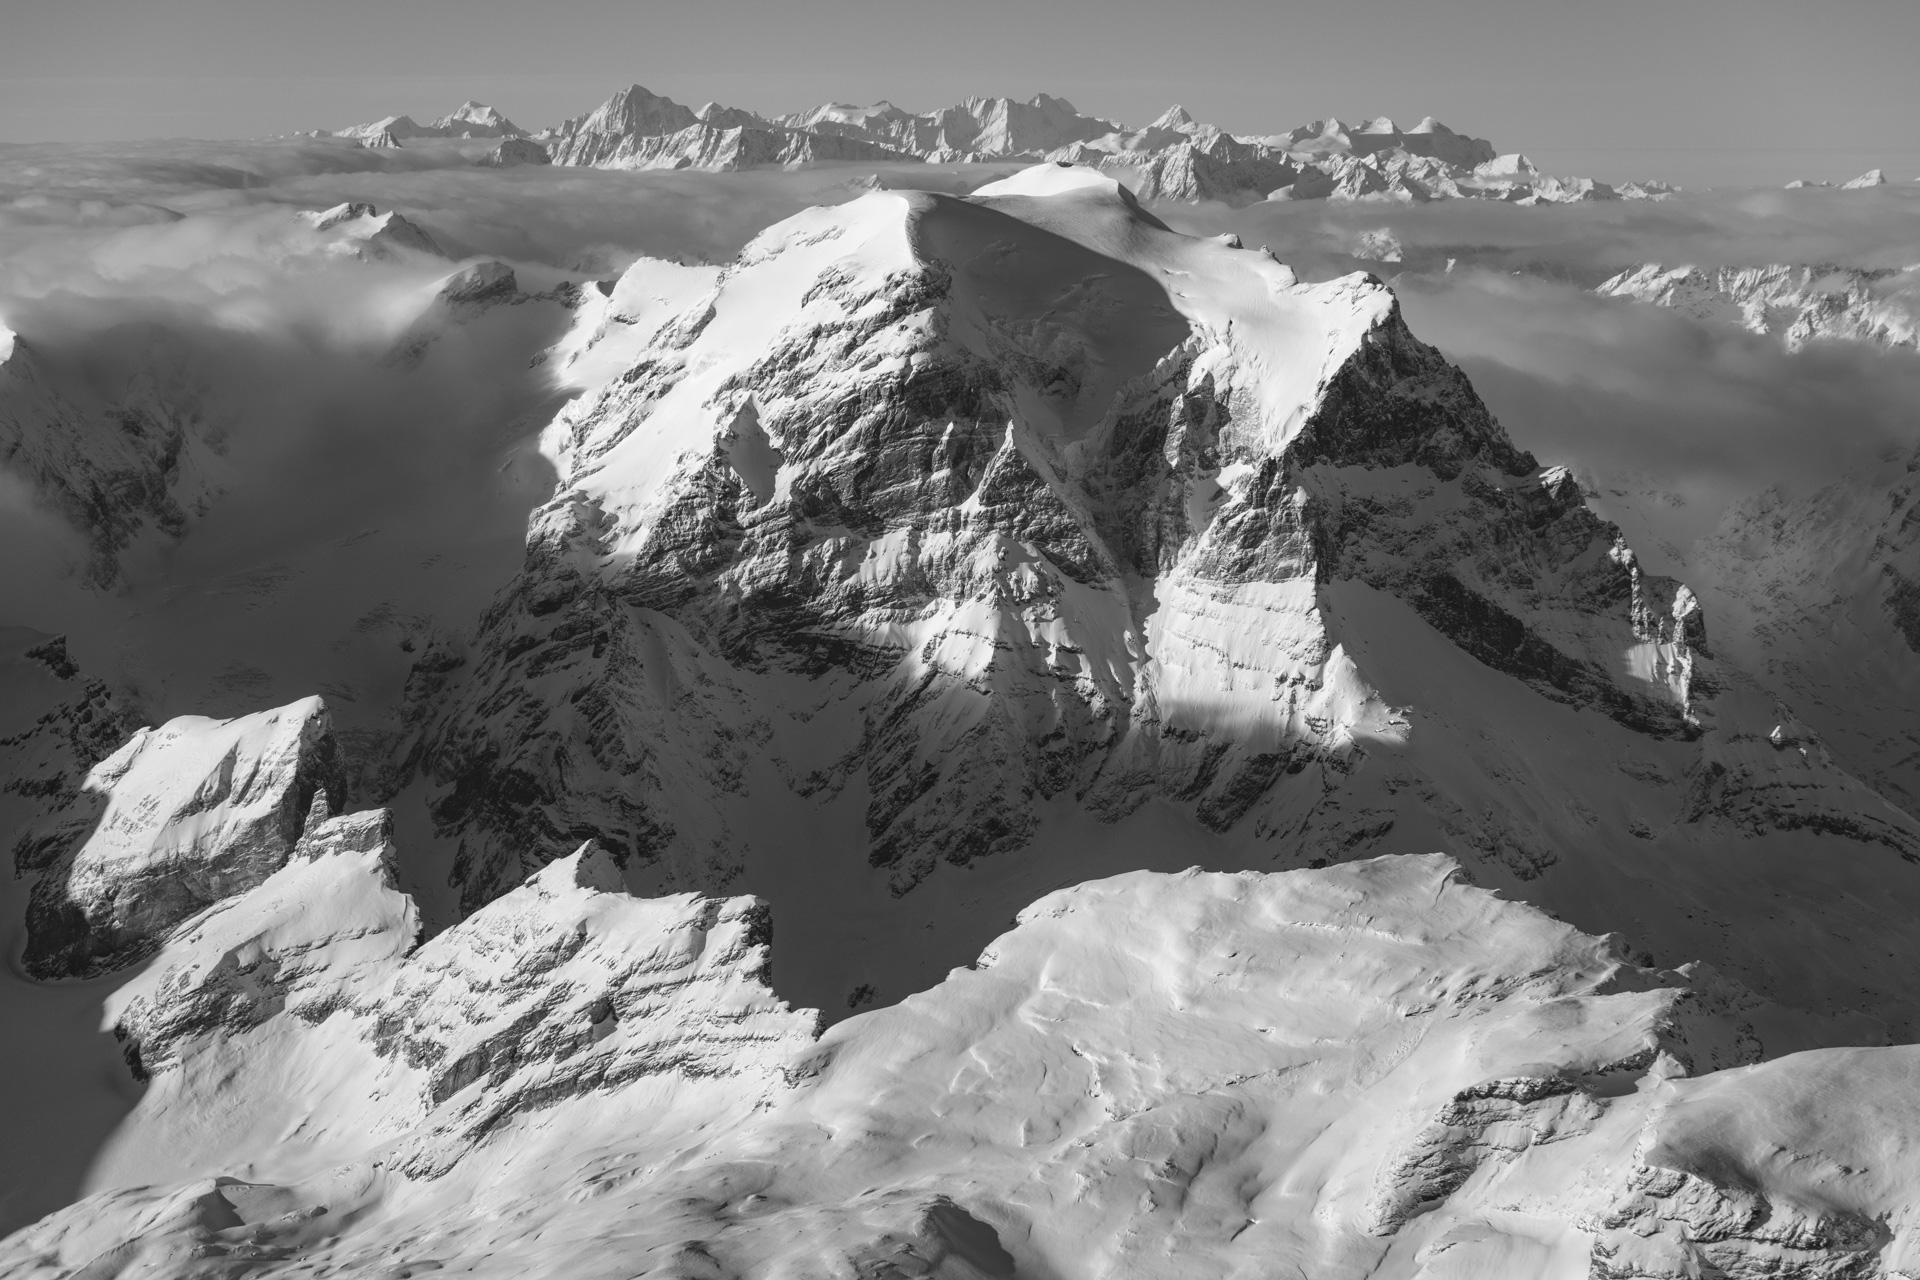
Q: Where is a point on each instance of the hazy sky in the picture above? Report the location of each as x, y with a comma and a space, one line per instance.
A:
1695, 91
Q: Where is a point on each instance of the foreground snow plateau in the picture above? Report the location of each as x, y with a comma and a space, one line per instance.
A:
1368, 1069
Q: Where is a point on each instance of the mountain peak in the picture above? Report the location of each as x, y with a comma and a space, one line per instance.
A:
1175, 157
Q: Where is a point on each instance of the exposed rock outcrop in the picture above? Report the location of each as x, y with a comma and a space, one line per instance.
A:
513, 151
143, 458
178, 818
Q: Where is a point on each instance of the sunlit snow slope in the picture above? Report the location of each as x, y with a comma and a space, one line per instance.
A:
1369, 1069
941, 550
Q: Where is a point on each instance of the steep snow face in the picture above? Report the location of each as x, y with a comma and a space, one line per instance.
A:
177, 818
1801, 304
1367, 1070
617, 322
1004, 499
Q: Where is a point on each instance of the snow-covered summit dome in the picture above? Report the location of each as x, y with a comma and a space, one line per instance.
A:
1056, 177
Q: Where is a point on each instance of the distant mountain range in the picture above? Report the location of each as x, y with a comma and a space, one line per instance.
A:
1175, 158
1799, 302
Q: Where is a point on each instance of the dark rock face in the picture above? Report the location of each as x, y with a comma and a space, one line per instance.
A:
49, 762
115, 466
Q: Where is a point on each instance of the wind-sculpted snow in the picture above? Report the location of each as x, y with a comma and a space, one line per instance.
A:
1371, 1069
177, 818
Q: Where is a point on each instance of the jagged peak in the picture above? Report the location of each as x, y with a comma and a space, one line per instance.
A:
1047, 102
326, 219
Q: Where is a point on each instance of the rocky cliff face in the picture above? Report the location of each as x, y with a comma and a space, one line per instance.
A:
176, 819
141, 457
1056, 525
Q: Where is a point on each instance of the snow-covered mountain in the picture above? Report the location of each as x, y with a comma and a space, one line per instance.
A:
636, 129
361, 231
942, 561
1373, 1067
952, 529
469, 120
1800, 303
1175, 158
